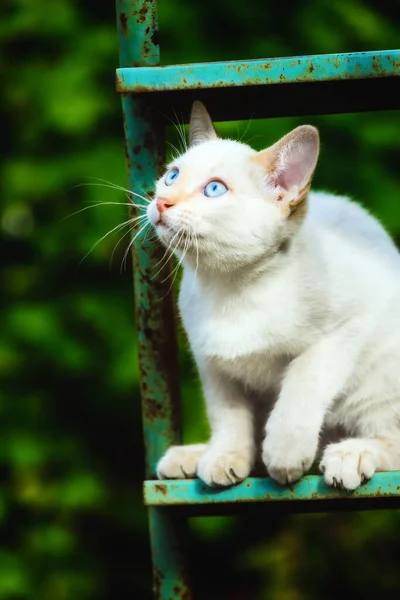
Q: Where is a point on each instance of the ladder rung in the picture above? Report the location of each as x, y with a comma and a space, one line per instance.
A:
298, 69
311, 487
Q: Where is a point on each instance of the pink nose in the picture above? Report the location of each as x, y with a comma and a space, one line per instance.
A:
163, 204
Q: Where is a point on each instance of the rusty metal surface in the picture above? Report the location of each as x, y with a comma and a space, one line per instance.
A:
324, 67
155, 317
169, 541
138, 33
145, 147
254, 489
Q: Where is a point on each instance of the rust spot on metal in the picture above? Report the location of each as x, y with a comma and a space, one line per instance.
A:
146, 49
142, 14
136, 150
153, 410
311, 68
123, 19
336, 63
161, 488
155, 38
282, 77
375, 65
140, 89
181, 593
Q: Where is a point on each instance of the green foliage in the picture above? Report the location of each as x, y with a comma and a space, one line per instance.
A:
71, 457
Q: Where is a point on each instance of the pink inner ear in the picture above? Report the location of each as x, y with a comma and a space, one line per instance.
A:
296, 165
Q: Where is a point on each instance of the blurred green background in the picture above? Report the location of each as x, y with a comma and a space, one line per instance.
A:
71, 456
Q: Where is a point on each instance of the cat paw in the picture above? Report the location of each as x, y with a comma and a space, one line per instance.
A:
346, 464
223, 469
180, 462
288, 457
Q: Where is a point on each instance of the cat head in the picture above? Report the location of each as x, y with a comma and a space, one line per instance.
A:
226, 205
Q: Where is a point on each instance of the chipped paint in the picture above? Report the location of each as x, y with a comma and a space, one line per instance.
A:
264, 489
138, 33
324, 67
170, 577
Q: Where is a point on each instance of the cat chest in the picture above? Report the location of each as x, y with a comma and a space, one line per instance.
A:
238, 332
259, 371
248, 348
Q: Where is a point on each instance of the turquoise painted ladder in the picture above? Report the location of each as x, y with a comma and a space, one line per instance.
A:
152, 95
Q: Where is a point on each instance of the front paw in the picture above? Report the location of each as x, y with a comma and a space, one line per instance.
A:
180, 462
288, 456
346, 464
217, 468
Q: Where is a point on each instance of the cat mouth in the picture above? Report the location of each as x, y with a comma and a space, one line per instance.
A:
179, 236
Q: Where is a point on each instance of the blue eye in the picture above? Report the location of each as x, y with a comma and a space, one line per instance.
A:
214, 189
172, 176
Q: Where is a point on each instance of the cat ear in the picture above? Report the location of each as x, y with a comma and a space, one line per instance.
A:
290, 165
201, 127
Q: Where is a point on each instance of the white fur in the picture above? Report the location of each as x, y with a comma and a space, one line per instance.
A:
317, 323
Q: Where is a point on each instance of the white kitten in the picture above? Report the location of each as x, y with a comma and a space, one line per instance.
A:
283, 292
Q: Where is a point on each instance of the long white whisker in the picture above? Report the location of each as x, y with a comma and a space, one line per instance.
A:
181, 130
108, 184
136, 219
118, 243
166, 252
175, 149
181, 135
147, 233
119, 226
176, 270
197, 256
182, 232
103, 204
124, 258
142, 228
113, 186
245, 131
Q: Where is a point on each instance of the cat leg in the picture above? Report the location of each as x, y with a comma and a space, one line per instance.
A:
312, 381
346, 464
229, 455
180, 462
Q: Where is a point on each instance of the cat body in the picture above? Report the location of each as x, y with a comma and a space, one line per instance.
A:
289, 299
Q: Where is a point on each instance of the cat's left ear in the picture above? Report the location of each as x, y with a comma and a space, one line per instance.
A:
290, 164
201, 126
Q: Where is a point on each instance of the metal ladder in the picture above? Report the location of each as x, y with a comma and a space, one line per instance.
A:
321, 84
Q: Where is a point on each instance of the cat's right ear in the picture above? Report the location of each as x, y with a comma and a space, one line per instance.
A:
201, 127
290, 164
